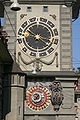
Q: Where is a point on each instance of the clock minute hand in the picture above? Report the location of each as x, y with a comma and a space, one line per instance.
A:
31, 32
51, 39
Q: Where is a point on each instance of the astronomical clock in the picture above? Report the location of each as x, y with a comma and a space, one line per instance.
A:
42, 96
37, 98
38, 38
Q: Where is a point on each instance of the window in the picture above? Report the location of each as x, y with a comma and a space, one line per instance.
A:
28, 9
45, 8
19, 110
2, 21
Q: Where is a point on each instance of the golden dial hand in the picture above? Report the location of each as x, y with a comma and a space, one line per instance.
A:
31, 32
37, 36
44, 41
51, 39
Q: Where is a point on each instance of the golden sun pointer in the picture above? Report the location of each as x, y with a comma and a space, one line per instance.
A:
26, 34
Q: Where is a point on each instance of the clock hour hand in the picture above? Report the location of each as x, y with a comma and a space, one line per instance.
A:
37, 36
29, 32
51, 39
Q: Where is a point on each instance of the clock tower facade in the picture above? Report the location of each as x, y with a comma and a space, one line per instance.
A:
41, 44
42, 34
44, 37
38, 37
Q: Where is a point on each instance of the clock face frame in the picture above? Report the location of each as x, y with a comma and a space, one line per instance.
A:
38, 98
38, 37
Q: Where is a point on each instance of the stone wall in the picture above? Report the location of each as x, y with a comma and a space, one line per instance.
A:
66, 38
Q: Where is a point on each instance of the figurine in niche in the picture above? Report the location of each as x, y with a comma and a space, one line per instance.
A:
56, 94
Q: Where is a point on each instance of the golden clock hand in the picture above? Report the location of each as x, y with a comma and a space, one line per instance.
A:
37, 36
31, 32
51, 39
44, 41
26, 34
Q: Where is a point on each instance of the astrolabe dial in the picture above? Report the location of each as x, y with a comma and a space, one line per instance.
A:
38, 37
38, 98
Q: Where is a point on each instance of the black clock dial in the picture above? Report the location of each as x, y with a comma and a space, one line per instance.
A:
37, 37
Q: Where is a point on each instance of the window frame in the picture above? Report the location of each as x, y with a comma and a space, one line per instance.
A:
29, 9
45, 8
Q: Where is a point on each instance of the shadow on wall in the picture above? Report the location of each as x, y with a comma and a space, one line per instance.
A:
6, 90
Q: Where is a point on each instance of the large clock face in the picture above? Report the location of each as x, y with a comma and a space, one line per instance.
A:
38, 37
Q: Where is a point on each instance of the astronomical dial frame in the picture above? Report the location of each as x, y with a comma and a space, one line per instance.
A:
38, 98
